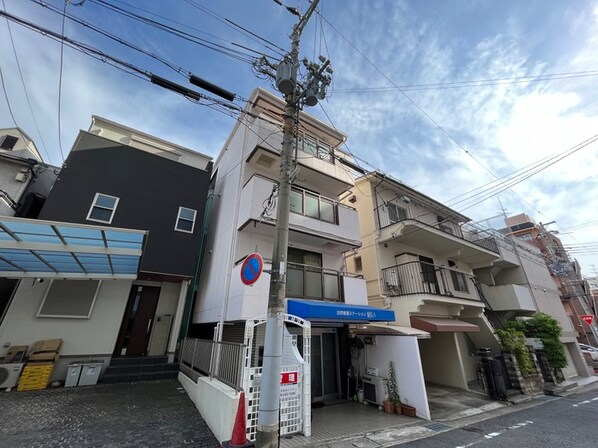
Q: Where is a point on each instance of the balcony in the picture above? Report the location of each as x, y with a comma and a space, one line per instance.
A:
444, 237
509, 298
314, 219
418, 277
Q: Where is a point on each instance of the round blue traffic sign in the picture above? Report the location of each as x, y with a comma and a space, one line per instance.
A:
251, 268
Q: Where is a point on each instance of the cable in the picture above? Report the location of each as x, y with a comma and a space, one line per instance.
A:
14, 49
60, 84
235, 54
12, 115
472, 83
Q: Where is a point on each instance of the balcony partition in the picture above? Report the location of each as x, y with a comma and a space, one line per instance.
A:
418, 277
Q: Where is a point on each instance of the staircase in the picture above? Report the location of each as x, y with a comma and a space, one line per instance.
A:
126, 370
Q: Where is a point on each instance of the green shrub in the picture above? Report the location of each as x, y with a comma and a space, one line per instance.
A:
513, 340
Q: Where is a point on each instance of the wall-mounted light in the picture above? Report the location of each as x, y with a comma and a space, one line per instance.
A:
405, 199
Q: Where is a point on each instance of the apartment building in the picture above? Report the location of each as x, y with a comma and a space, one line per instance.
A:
418, 257
519, 284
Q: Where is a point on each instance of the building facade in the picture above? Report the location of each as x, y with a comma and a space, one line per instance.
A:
117, 177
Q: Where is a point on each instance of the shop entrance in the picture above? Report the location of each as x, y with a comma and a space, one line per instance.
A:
324, 364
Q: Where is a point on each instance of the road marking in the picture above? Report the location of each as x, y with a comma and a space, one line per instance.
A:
494, 434
584, 402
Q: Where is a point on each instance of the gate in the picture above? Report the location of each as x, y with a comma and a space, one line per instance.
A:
295, 395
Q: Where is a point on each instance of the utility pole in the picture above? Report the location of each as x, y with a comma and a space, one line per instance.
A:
296, 95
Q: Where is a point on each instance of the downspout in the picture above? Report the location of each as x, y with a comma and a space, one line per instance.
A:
186, 320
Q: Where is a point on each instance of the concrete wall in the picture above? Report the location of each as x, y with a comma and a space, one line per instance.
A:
440, 359
404, 352
14, 188
509, 297
205, 394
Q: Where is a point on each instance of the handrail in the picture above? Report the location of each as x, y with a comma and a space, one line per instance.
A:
448, 227
418, 277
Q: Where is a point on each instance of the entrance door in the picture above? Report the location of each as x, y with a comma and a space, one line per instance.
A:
324, 373
429, 279
137, 323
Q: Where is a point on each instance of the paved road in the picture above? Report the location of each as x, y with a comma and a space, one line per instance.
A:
570, 422
145, 414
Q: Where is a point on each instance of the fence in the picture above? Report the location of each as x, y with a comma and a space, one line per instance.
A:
220, 360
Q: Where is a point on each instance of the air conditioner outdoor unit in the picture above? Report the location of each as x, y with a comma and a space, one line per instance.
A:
375, 389
9, 374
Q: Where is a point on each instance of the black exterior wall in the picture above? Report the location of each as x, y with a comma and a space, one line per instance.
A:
150, 189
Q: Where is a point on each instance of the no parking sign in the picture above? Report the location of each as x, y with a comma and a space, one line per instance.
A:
252, 268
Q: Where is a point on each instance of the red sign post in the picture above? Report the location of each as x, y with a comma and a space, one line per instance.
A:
587, 318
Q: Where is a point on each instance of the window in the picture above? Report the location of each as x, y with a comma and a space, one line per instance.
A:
315, 147
185, 221
459, 281
314, 206
396, 213
103, 208
72, 299
358, 265
8, 142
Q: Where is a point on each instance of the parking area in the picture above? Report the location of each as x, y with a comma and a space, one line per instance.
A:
144, 414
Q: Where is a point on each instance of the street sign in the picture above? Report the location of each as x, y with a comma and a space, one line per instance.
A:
251, 268
587, 318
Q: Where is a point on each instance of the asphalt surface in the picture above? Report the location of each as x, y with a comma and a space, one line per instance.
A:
144, 414
570, 422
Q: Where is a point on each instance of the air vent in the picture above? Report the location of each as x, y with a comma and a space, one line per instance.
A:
264, 161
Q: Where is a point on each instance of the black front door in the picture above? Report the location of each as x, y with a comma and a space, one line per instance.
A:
137, 323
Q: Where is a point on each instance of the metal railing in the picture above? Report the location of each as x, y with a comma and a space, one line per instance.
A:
313, 282
220, 360
390, 214
418, 277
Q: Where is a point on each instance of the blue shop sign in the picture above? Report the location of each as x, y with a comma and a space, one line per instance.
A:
338, 312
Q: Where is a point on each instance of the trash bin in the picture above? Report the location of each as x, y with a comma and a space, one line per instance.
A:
72, 374
90, 373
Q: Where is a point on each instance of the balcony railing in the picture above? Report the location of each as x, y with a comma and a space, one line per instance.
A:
390, 214
418, 277
313, 282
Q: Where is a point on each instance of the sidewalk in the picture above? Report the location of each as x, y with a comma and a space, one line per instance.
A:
419, 429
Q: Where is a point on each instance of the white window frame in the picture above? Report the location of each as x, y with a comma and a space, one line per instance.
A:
70, 316
178, 218
93, 204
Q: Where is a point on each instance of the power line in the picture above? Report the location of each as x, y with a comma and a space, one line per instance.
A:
14, 49
471, 83
7, 98
235, 54
60, 84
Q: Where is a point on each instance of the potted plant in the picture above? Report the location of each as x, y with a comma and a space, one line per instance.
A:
407, 410
393, 389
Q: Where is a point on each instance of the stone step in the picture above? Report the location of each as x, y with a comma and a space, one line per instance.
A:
558, 389
111, 378
136, 361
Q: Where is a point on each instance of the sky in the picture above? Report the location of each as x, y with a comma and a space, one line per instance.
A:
445, 96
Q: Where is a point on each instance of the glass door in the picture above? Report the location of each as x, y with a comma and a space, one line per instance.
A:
324, 373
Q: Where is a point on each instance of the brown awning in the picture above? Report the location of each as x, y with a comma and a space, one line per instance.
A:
443, 324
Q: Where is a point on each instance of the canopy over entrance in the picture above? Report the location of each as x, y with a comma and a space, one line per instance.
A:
48, 249
381, 329
442, 324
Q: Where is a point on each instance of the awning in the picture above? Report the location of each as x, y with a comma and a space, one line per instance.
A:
338, 312
388, 330
443, 324
49, 249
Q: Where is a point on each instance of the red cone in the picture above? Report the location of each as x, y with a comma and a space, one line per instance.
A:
239, 437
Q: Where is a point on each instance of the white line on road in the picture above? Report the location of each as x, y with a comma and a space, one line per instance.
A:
494, 434
584, 402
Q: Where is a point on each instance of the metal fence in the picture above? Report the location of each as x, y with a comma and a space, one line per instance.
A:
418, 277
220, 360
